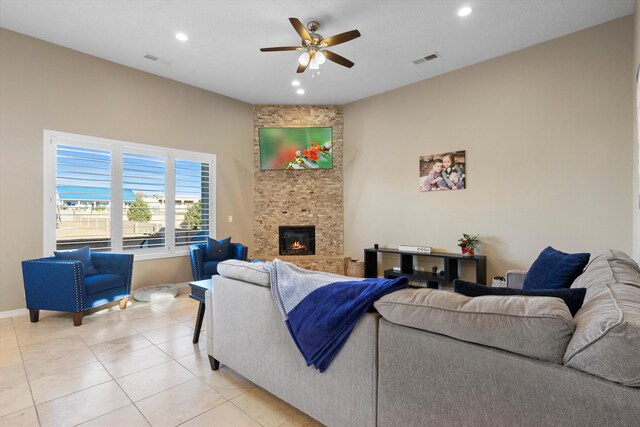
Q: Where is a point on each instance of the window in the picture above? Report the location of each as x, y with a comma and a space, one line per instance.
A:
192, 201
125, 197
143, 176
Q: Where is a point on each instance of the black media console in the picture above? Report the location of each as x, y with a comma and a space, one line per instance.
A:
432, 280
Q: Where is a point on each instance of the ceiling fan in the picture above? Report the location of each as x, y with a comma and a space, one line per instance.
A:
313, 46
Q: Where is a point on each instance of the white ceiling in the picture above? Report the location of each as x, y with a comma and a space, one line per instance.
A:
222, 54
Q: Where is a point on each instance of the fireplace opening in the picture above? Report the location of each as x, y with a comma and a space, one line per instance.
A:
299, 240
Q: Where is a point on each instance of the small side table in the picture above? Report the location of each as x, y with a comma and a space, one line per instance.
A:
197, 293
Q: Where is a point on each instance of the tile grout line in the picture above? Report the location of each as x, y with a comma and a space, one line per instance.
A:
227, 400
120, 387
249, 415
181, 365
112, 378
116, 382
135, 403
35, 409
242, 410
146, 397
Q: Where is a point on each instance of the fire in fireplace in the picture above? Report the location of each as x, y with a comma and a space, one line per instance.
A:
298, 240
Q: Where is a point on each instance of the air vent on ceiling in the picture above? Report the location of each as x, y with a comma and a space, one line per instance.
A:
152, 57
431, 57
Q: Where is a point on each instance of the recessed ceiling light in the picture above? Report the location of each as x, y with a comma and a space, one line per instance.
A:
464, 11
300, 91
182, 37
295, 83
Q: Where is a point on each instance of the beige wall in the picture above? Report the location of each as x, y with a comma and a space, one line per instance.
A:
548, 136
44, 86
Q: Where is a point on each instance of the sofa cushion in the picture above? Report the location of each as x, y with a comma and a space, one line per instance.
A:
537, 327
606, 342
218, 250
554, 269
252, 272
83, 254
572, 297
102, 282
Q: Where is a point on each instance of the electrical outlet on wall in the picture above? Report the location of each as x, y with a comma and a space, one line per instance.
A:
230, 218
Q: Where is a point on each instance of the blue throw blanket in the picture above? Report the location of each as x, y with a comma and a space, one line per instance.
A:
321, 309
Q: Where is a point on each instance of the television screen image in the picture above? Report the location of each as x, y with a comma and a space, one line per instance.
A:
296, 148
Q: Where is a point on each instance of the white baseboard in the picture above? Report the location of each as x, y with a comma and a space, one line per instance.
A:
13, 313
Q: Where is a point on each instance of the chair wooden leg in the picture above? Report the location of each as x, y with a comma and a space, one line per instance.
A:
34, 315
123, 303
77, 319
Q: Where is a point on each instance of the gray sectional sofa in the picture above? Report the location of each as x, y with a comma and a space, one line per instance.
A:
439, 358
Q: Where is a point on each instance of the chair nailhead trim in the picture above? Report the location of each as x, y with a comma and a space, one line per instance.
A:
130, 274
76, 278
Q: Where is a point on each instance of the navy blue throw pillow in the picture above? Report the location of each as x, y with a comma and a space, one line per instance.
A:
573, 297
554, 269
83, 254
218, 250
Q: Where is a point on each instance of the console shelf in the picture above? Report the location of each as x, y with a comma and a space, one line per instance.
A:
406, 266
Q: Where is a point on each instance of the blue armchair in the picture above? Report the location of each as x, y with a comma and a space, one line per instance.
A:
203, 269
61, 285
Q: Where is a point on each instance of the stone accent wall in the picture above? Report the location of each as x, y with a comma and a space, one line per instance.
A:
300, 197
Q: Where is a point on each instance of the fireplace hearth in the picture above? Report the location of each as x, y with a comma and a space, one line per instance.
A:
297, 240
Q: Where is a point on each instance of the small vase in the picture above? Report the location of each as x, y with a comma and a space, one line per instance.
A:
468, 252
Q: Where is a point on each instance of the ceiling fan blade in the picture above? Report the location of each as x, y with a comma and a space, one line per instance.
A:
300, 29
340, 38
337, 59
278, 49
301, 68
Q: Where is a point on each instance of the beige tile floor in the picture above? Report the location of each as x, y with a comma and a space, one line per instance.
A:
135, 367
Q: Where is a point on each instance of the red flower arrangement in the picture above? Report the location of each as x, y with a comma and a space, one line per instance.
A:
468, 243
312, 152
308, 158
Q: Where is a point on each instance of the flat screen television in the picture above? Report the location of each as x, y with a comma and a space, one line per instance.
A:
295, 148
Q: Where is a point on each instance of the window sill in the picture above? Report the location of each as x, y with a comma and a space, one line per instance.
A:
137, 256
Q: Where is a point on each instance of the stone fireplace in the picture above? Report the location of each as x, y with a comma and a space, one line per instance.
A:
292, 197
300, 240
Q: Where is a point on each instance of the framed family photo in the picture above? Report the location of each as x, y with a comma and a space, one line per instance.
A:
443, 171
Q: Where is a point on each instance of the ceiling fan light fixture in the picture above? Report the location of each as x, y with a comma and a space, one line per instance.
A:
319, 57
464, 11
313, 64
304, 58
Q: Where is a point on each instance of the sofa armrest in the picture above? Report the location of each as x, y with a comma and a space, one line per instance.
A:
51, 284
239, 251
515, 279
